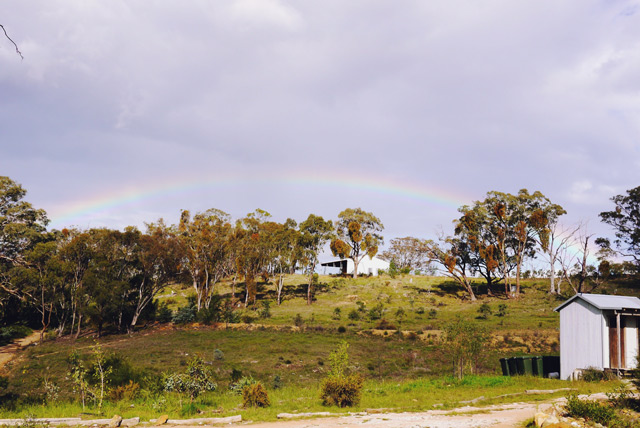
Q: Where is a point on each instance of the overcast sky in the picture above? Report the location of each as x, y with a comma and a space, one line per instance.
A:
124, 111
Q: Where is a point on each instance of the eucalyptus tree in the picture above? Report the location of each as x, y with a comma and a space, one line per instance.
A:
159, 262
453, 255
358, 235
625, 219
41, 277
75, 252
204, 240
408, 254
315, 232
285, 251
253, 249
21, 227
502, 231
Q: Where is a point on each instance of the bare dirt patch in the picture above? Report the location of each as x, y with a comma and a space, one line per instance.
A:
9, 352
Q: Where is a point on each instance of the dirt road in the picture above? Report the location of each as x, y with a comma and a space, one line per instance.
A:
8, 352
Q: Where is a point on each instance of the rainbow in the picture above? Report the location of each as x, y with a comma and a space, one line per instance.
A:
134, 194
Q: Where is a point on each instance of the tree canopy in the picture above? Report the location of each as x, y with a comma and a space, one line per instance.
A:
358, 235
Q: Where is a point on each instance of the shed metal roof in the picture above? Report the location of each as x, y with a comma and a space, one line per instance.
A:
605, 302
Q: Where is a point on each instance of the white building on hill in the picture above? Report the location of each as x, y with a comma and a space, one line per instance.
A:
367, 266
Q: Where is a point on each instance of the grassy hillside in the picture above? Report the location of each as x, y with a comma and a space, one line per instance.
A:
403, 361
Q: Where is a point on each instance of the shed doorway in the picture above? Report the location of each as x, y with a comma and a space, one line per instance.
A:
613, 344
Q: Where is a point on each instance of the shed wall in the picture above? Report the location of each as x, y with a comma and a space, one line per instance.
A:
631, 342
581, 343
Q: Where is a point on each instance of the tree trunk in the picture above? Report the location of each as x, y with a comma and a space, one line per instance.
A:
280, 286
356, 262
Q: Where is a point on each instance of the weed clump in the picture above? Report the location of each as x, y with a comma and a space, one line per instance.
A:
255, 395
590, 410
339, 388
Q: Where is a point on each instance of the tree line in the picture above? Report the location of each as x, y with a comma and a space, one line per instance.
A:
493, 238
70, 277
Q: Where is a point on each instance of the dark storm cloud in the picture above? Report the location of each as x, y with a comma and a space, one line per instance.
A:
465, 97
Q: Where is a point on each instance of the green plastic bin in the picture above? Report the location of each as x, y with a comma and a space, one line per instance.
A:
538, 366
513, 368
525, 365
504, 365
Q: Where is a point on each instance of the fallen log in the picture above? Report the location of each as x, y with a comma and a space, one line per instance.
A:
202, 421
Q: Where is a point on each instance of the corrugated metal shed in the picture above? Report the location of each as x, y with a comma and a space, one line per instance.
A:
599, 331
605, 302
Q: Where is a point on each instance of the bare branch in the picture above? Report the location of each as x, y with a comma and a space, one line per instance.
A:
11, 40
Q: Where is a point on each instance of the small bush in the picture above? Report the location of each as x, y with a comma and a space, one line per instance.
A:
298, 321
277, 382
8, 334
242, 383
376, 312
589, 410
255, 395
342, 329
484, 310
127, 392
247, 318
341, 392
197, 379
362, 307
338, 388
218, 355
502, 310
163, 313
433, 314
265, 311
354, 315
384, 325
591, 374
420, 310
337, 314
185, 314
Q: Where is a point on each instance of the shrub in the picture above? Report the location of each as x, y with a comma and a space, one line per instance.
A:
342, 329
339, 388
502, 310
218, 355
163, 313
197, 379
589, 410
247, 318
239, 386
341, 392
420, 310
277, 382
337, 314
384, 325
591, 374
354, 315
212, 313
484, 310
185, 314
433, 314
7, 334
400, 315
265, 311
362, 307
376, 312
255, 395
127, 392
298, 321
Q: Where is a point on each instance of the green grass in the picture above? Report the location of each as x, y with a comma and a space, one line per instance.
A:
409, 395
403, 373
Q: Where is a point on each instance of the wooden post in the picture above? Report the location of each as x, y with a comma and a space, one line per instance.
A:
619, 342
